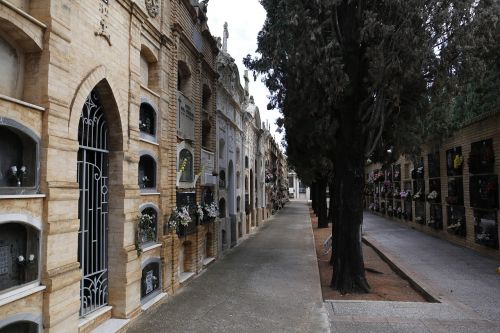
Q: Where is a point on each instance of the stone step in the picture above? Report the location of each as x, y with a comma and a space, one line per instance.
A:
112, 326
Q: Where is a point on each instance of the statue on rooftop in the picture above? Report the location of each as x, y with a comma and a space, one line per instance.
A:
203, 6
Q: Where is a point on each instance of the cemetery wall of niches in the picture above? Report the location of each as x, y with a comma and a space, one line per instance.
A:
450, 192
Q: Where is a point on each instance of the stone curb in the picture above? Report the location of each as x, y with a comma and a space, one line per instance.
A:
422, 287
416, 280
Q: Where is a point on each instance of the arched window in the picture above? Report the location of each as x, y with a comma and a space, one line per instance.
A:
18, 158
149, 72
207, 196
222, 179
144, 70
147, 172
222, 145
238, 180
238, 155
184, 79
186, 164
206, 98
19, 255
150, 280
224, 239
246, 162
206, 128
222, 207
21, 326
148, 225
147, 121
238, 204
11, 68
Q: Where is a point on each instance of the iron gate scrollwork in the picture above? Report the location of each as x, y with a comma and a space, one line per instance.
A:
92, 174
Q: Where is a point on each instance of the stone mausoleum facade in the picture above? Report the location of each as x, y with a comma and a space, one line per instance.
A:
109, 120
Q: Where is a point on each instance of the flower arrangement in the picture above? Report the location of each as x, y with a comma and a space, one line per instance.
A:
146, 230
379, 176
17, 174
144, 181
405, 194
179, 217
146, 226
417, 195
399, 212
458, 161
21, 260
455, 226
183, 165
433, 195
211, 210
142, 126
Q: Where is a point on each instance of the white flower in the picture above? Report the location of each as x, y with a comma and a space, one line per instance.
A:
13, 169
199, 211
31, 257
433, 195
23, 169
184, 217
212, 210
20, 259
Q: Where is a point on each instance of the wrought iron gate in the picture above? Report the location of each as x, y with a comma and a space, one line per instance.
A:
92, 176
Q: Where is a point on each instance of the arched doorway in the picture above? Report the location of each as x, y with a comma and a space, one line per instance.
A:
93, 205
231, 203
252, 197
230, 188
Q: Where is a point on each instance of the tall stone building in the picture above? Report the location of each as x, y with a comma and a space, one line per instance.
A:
230, 100
100, 103
253, 148
194, 56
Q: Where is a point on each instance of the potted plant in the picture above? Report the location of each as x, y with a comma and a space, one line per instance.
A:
211, 211
17, 174
146, 230
433, 196
179, 218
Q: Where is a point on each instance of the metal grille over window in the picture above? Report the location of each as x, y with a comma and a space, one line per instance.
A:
93, 205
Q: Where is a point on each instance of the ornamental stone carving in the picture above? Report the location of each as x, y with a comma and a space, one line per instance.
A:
153, 7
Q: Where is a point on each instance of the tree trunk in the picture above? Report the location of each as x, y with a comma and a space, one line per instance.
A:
348, 266
331, 216
314, 197
322, 210
331, 203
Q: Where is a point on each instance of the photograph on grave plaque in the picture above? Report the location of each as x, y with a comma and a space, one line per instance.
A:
150, 280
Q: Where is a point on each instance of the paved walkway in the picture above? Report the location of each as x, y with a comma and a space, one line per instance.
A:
464, 282
269, 283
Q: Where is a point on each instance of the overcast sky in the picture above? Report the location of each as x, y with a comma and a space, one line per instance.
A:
245, 19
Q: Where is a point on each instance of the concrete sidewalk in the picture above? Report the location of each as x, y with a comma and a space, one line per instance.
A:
464, 282
269, 283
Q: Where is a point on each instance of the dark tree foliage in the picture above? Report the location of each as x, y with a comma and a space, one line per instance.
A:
352, 77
